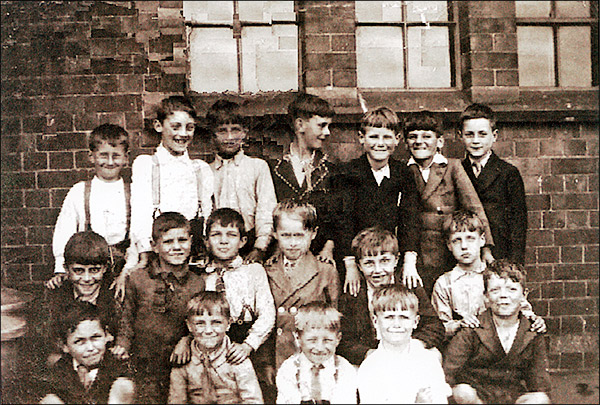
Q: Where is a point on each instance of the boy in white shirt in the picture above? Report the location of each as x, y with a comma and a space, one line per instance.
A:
316, 375
169, 180
400, 370
101, 204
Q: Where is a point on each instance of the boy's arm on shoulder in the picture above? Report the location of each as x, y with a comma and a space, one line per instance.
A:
207, 187
247, 383
141, 201
265, 204
67, 224
331, 277
128, 313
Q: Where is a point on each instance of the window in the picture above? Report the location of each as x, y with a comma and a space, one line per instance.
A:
404, 44
242, 46
557, 43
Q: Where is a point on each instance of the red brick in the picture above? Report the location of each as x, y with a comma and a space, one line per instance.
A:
16, 273
553, 184
106, 84
505, 43
571, 360
61, 179
318, 43
34, 125
576, 237
533, 167
575, 289
151, 84
590, 360
85, 122
332, 25
12, 199
548, 254
344, 78
494, 60
113, 103
571, 324
20, 254
540, 238
493, 25
175, 83
37, 198
482, 77
11, 162
134, 121
553, 290
591, 323
594, 219
576, 183
343, 43
111, 65
577, 219
574, 201
530, 256
57, 196
128, 46
527, 149
576, 272
540, 307
39, 235
61, 160
593, 182
17, 181
592, 147
591, 254
539, 273
507, 78
481, 42
117, 118
491, 9
574, 166
318, 78
534, 220
13, 236
553, 361
571, 254
316, 61
576, 147
553, 325
102, 46
552, 147
553, 219
59, 122
42, 272
131, 84
577, 306
82, 160
61, 142
538, 202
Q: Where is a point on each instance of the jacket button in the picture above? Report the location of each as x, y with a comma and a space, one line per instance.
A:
279, 331
281, 310
293, 310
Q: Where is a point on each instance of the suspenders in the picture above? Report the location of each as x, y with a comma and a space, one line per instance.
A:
86, 198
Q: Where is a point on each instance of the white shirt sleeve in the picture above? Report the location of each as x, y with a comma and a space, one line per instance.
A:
69, 221
287, 390
265, 308
265, 204
206, 189
141, 203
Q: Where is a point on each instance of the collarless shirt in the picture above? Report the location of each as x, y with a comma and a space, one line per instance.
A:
382, 173
437, 158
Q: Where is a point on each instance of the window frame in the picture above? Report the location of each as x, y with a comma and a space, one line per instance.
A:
453, 43
555, 23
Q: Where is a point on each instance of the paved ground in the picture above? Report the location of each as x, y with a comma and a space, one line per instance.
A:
575, 388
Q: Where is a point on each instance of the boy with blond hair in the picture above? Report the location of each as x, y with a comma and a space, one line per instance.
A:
400, 370
209, 378
316, 374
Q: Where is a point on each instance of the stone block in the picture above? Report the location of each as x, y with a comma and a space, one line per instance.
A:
37, 198
571, 254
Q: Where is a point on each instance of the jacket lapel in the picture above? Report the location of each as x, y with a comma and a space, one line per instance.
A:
436, 175
487, 333
489, 173
285, 171
523, 338
288, 286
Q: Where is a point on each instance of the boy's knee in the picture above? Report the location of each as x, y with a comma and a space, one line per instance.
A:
465, 394
533, 398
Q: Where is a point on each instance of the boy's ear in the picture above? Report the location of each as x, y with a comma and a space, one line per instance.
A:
525, 293
158, 127
153, 246
314, 233
243, 241
299, 124
440, 142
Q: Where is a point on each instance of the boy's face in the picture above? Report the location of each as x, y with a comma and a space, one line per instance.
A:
86, 278
423, 145
87, 343
378, 143
208, 329
396, 327
229, 138
313, 131
177, 132
466, 246
224, 242
318, 344
173, 247
478, 137
108, 161
378, 270
504, 296
292, 237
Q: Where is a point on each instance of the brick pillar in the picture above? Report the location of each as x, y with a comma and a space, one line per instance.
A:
329, 50
489, 51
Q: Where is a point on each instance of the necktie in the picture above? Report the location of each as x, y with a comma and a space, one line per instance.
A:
84, 376
220, 284
315, 385
476, 168
210, 393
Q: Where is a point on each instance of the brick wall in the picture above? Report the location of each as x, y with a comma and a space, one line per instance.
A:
69, 66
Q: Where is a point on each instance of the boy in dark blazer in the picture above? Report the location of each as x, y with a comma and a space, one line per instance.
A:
381, 191
498, 183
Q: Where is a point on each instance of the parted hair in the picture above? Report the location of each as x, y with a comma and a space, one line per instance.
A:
463, 220
477, 110
112, 134
224, 112
226, 217
211, 302
423, 121
79, 311
317, 315
394, 296
307, 105
504, 269
381, 117
174, 103
87, 248
305, 211
373, 241
167, 221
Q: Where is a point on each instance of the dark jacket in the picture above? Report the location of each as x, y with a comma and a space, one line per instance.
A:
475, 356
502, 193
359, 334
394, 205
64, 382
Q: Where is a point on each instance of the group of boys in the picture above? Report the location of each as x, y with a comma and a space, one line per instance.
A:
226, 288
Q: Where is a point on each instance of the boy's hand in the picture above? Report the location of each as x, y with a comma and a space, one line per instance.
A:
538, 325
410, 276
181, 354
486, 255
238, 353
119, 352
56, 281
326, 254
255, 256
352, 282
469, 321
424, 396
119, 283
269, 374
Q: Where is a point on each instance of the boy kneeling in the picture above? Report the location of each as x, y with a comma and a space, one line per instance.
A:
502, 361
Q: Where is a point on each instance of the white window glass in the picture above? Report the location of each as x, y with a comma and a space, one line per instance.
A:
536, 56
573, 9
266, 11
378, 11
428, 57
533, 9
425, 11
213, 60
208, 11
379, 57
574, 62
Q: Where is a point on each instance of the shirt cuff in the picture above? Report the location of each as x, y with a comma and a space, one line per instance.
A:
349, 260
143, 245
261, 243
410, 257
59, 265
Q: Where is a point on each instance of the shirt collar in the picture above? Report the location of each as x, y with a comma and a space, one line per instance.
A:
483, 160
156, 270
235, 264
437, 158
92, 300
164, 155
197, 352
383, 172
237, 159
458, 272
305, 362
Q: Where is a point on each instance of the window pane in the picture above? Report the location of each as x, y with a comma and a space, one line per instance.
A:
213, 60
378, 11
539, 9
536, 56
574, 60
428, 57
266, 11
208, 11
426, 11
572, 8
379, 57
270, 58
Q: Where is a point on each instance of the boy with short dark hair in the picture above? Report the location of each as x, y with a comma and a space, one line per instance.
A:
498, 183
400, 370
209, 378
154, 309
86, 373
241, 182
443, 187
316, 375
376, 252
100, 204
502, 361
